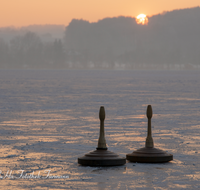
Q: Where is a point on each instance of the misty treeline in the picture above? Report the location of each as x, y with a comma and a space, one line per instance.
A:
170, 40
28, 50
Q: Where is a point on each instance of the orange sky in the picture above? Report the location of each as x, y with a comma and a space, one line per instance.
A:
27, 12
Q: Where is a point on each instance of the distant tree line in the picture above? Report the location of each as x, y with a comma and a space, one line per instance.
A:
171, 39
29, 51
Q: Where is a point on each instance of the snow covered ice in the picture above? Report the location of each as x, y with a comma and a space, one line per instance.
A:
49, 118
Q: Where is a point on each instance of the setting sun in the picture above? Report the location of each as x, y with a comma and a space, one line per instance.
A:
142, 19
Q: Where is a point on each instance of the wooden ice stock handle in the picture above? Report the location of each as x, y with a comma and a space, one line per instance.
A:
102, 114
149, 139
102, 140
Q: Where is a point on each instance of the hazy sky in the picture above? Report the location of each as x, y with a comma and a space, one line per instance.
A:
27, 12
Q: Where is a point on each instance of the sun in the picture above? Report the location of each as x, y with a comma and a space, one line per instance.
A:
142, 19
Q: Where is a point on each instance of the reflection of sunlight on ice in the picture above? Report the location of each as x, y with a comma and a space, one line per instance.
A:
195, 176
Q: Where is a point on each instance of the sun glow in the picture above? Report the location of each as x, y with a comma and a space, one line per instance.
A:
142, 19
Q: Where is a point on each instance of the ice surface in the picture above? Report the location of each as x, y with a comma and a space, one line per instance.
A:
50, 118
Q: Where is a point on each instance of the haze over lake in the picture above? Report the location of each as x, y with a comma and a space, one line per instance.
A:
169, 41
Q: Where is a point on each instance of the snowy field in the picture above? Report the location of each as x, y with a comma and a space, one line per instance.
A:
50, 118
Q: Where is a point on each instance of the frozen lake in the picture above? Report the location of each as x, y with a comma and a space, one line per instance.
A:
50, 118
